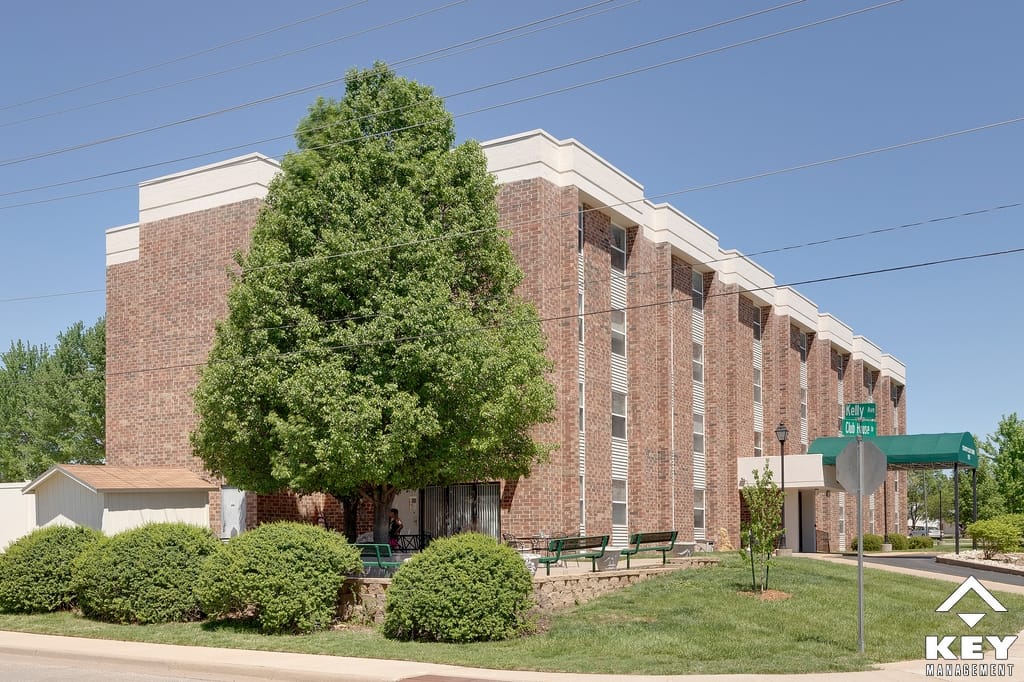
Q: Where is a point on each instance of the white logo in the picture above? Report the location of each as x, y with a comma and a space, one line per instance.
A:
970, 585
941, 648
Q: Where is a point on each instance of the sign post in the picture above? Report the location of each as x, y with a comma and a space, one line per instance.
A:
860, 467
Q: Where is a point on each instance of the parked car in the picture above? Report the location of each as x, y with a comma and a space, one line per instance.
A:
920, 532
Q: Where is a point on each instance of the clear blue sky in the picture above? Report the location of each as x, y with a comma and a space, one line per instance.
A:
911, 70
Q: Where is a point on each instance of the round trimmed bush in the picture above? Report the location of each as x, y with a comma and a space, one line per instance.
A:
35, 570
144, 575
466, 588
872, 543
286, 575
920, 542
995, 536
897, 541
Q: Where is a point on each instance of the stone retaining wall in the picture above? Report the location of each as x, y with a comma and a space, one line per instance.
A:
362, 599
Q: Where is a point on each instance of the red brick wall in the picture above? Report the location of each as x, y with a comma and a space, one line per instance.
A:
546, 249
161, 311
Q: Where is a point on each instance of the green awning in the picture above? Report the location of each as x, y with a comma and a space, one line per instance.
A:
919, 451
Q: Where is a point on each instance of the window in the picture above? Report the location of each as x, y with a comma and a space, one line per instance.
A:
869, 380
757, 324
758, 442
618, 248
698, 433
579, 325
619, 333
698, 362
581, 405
801, 341
618, 502
842, 513
579, 230
698, 507
618, 414
757, 385
583, 515
803, 403
697, 285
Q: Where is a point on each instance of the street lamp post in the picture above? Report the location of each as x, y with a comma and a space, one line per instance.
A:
782, 433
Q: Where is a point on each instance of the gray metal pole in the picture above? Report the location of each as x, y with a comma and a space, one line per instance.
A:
974, 511
860, 543
956, 507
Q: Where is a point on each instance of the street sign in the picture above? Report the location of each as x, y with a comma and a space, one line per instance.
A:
874, 467
860, 427
859, 411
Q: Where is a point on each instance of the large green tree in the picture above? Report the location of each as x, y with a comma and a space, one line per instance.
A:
374, 341
52, 402
1006, 448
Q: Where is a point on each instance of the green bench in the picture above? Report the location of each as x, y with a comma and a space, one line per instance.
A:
663, 541
378, 556
560, 549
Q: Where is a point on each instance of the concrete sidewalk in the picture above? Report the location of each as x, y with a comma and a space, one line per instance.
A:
211, 663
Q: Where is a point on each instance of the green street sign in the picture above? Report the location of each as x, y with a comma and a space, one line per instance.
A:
859, 411
859, 427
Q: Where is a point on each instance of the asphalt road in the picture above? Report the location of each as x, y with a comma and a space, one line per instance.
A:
927, 563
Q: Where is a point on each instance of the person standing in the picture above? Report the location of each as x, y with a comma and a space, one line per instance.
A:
394, 528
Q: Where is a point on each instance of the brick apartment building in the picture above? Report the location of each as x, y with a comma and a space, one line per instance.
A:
674, 360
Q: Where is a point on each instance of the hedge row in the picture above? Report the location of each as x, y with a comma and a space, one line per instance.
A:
286, 577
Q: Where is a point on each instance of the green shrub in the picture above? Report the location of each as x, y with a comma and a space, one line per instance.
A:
1017, 520
896, 540
35, 570
144, 575
994, 536
285, 575
466, 588
872, 543
921, 542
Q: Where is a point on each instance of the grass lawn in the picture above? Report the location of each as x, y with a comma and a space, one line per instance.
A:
692, 621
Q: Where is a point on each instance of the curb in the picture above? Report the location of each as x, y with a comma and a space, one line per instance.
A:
964, 563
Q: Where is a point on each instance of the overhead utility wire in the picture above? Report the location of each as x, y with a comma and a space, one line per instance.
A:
629, 275
458, 115
632, 275
209, 114
297, 91
423, 58
638, 306
182, 58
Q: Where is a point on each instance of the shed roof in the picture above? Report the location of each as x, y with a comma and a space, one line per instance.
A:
103, 478
918, 451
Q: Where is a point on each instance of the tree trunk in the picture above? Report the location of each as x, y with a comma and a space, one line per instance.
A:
382, 496
350, 507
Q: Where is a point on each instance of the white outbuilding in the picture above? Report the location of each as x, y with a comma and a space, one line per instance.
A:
115, 498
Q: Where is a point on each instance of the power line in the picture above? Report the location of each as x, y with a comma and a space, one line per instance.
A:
574, 284
577, 86
56, 295
572, 316
423, 58
182, 58
208, 114
433, 55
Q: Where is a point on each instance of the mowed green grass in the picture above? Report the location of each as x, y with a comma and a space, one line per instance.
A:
690, 621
